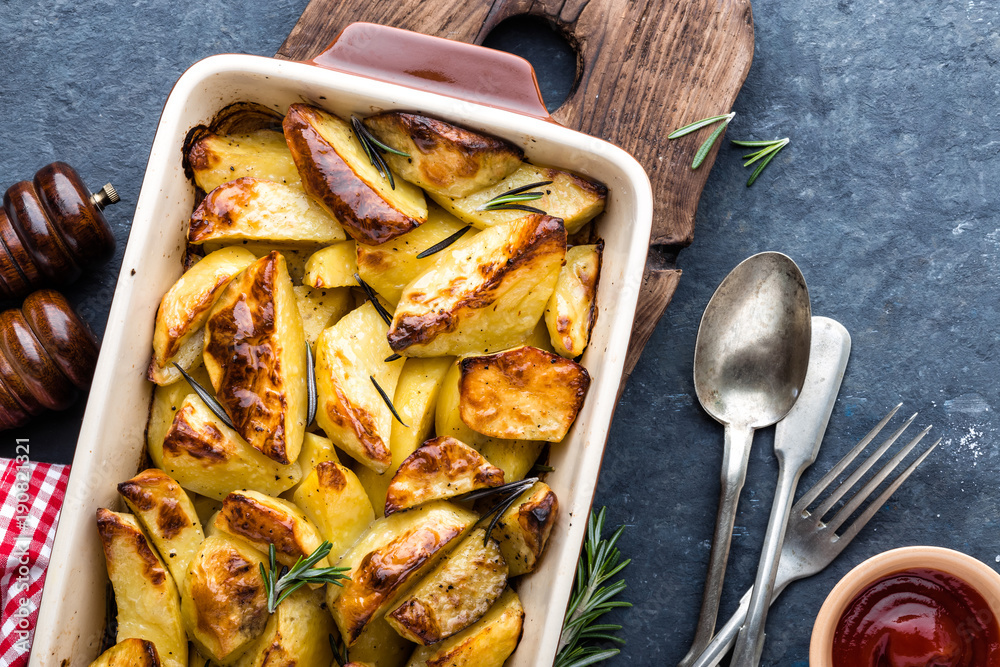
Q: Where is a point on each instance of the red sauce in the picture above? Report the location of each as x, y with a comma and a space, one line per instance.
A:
917, 618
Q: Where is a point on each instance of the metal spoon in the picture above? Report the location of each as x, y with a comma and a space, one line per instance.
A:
750, 362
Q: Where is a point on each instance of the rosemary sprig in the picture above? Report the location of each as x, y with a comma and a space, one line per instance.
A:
374, 148
767, 151
373, 297
444, 243
279, 585
507, 494
510, 200
391, 357
340, 655
388, 401
704, 149
591, 599
310, 385
209, 398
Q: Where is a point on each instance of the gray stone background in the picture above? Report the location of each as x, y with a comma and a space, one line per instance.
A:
884, 198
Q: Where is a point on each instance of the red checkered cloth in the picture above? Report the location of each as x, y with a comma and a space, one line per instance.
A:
32, 494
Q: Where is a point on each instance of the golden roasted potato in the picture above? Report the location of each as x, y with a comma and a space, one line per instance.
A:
334, 500
416, 397
380, 646
251, 209
263, 520
395, 552
297, 634
515, 457
148, 606
571, 311
523, 392
207, 457
223, 598
524, 529
315, 450
485, 295
216, 159
454, 595
333, 266
178, 335
573, 198
390, 267
320, 308
336, 171
350, 410
443, 158
168, 516
164, 404
441, 468
130, 653
487, 643
255, 354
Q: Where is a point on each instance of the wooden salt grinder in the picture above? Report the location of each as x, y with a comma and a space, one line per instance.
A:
51, 228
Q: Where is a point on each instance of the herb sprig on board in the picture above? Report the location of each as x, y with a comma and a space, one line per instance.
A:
591, 599
280, 584
706, 146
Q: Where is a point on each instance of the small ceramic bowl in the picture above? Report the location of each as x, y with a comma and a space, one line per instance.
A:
976, 574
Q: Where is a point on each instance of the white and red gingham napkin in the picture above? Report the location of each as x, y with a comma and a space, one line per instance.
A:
31, 496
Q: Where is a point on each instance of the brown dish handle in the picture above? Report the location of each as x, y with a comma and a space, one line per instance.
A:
436, 65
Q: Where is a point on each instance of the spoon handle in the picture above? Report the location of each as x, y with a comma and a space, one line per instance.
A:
735, 458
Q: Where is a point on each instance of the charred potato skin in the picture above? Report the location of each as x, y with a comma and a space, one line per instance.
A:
255, 355
441, 468
444, 158
524, 529
130, 652
431, 317
330, 179
572, 308
523, 392
262, 520
455, 595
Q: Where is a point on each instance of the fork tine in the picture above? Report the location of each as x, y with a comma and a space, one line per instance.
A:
876, 505
865, 466
869, 488
812, 494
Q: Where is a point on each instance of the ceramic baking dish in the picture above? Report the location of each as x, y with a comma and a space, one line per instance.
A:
482, 89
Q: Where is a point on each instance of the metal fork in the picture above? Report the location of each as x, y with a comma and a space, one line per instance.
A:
810, 544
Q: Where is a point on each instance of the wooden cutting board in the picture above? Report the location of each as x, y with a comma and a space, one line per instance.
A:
644, 68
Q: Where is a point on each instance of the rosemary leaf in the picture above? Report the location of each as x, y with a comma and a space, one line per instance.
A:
525, 188
698, 124
518, 486
750, 144
340, 655
378, 144
310, 385
279, 586
704, 149
371, 148
388, 401
768, 149
373, 297
756, 172
391, 357
511, 200
517, 207
444, 243
497, 512
208, 397
764, 152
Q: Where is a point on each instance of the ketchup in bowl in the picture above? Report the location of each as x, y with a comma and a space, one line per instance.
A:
917, 618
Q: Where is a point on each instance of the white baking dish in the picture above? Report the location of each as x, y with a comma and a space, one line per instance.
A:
111, 445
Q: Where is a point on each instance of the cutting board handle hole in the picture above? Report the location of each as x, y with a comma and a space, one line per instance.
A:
545, 47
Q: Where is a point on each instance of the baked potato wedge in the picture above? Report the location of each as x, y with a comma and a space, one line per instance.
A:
251, 209
148, 606
390, 267
333, 266
255, 354
574, 198
296, 635
395, 552
350, 410
443, 158
336, 503
216, 159
130, 652
415, 399
178, 335
487, 643
223, 598
207, 457
380, 646
336, 172
571, 311
454, 595
522, 393
441, 468
484, 295
524, 529
320, 308
167, 514
263, 520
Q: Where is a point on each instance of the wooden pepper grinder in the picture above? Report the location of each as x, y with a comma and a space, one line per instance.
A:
51, 228
47, 355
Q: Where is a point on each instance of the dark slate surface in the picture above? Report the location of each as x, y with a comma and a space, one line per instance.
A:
884, 198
